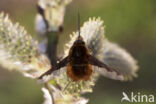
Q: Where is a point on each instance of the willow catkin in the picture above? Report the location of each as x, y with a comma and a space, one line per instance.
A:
18, 50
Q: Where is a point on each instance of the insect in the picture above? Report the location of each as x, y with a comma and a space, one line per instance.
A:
79, 61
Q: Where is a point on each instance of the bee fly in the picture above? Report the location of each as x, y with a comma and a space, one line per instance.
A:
79, 61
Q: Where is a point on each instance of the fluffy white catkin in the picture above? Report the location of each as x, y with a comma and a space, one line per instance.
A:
19, 51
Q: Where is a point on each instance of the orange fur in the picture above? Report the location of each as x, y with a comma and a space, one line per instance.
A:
77, 77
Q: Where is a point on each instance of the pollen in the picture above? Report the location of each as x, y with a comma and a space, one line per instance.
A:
40, 65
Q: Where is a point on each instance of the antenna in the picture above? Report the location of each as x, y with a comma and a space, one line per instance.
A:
79, 23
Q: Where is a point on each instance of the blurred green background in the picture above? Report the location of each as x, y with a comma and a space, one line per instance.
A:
130, 23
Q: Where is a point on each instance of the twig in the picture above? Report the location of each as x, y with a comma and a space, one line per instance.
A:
53, 38
52, 46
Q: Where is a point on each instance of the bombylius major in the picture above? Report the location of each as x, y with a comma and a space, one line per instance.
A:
79, 61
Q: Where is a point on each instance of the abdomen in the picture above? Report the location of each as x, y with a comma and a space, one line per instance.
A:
79, 72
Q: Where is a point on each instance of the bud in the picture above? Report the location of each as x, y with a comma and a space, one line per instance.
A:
53, 13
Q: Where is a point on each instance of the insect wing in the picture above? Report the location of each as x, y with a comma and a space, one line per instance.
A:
104, 69
61, 64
